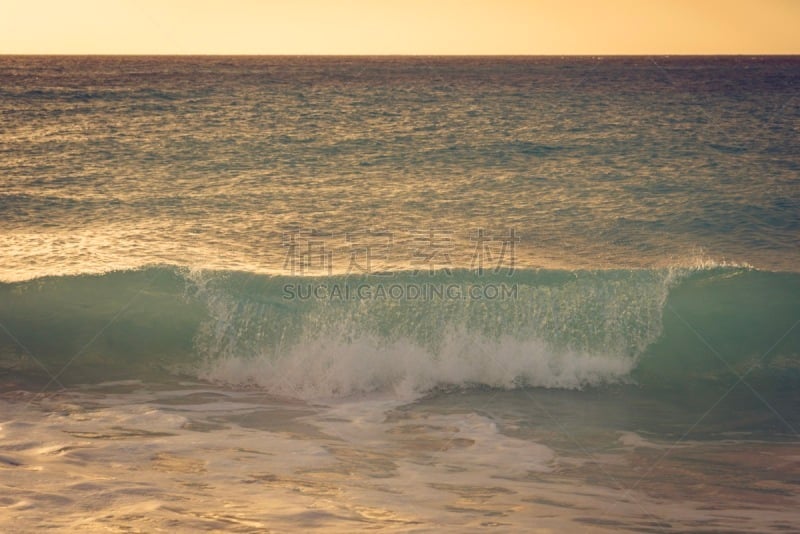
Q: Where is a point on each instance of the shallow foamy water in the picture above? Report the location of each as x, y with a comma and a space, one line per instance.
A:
187, 457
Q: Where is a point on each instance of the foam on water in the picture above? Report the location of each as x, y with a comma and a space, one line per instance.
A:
324, 369
105, 457
561, 329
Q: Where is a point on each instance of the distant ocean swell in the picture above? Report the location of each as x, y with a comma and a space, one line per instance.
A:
557, 329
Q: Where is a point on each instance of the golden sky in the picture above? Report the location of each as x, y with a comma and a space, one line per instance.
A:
399, 27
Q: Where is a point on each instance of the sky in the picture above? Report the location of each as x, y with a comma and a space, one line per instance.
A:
375, 27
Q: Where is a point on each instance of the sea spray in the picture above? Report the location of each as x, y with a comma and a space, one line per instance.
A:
564, 329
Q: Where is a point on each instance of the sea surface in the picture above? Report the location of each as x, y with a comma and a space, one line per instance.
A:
401, 294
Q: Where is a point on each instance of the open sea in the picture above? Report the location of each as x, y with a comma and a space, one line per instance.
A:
399, 294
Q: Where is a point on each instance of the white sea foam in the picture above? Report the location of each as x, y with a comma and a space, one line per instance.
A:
324, 369
572, 332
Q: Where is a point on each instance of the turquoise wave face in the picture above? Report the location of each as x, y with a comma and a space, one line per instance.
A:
337, 336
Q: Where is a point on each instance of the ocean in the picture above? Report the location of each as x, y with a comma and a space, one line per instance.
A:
406, 294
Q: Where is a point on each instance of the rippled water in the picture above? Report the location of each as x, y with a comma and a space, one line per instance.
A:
596, 163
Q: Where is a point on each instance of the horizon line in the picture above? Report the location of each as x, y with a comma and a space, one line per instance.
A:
160, 54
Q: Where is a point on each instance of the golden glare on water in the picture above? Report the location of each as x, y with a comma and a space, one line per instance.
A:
400, 27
